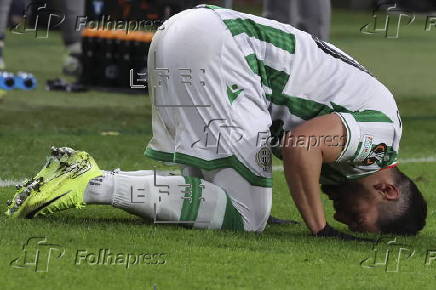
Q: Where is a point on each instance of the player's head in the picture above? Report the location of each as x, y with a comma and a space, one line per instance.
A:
386, 202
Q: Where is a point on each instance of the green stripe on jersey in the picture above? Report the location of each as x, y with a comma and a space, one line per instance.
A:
274, 36
258, 67
192, 199
371, 116
363, 116
303, 108
276, 81
273, 79
226, 162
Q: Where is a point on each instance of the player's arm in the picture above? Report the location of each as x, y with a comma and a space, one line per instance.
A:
302, 164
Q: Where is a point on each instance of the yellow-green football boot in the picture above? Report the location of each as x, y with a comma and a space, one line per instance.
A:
58, 186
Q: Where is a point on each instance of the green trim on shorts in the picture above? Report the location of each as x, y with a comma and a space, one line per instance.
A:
159, 155
232, 218
226, 162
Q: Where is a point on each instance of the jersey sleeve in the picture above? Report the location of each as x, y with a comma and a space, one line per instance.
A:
372, 141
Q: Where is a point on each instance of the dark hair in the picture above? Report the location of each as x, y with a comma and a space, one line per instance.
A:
407, 215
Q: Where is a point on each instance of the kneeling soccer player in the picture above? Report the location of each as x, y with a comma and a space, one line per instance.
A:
228, 89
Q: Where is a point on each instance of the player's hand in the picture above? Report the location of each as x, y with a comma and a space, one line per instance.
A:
329, 232
302, 165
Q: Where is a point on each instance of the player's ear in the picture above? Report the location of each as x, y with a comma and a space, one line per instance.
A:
388, 191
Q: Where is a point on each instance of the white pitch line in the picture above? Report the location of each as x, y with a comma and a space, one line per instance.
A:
430, 159
9, 182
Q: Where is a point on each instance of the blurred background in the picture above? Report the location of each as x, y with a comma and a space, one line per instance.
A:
104, 40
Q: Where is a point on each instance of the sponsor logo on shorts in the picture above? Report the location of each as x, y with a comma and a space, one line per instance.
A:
264, 158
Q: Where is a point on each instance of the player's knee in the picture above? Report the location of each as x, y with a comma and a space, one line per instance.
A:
258, 219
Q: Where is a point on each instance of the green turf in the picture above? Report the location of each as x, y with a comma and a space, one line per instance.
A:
282, 257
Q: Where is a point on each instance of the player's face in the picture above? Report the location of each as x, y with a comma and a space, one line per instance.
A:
355, 205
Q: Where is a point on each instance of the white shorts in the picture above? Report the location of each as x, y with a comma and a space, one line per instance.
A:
210, 112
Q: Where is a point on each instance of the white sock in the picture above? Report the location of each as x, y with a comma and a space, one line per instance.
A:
176, 200
133, 173
100, 189
147, 172
166, 199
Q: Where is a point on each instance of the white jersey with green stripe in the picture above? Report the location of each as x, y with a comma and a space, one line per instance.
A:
303, 78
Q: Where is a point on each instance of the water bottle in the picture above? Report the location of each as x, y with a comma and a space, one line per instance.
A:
6, 81
25, 81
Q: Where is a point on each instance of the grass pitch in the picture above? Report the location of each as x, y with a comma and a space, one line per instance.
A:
283, 257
